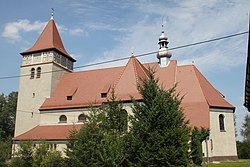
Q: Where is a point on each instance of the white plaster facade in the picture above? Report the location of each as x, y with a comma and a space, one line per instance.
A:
33, 91
221, 144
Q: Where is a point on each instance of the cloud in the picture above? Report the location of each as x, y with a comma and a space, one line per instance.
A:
12, 30
76, 31
186, 22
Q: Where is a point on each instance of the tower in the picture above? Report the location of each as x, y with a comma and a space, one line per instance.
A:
42, 67
163, 54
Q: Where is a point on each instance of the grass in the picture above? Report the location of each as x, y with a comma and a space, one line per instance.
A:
239, 163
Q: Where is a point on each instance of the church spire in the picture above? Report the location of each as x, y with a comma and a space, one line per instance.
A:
49, 40
163, 54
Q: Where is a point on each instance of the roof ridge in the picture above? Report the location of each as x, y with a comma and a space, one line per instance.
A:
141, 67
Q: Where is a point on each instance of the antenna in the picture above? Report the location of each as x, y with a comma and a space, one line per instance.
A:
52, 14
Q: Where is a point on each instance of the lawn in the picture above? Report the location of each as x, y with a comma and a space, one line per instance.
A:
239, 163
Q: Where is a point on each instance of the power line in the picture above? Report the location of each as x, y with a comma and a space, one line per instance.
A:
140, 55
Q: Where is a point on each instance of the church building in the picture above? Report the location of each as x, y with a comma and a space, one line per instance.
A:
53, 99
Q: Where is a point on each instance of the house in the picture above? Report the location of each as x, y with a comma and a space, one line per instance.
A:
52, 97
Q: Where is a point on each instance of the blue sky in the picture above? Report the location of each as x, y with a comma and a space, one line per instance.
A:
99, 30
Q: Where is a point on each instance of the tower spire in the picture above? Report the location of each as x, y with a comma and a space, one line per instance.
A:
163, 54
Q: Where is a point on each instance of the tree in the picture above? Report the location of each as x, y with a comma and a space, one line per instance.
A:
23, 157
100, 142
53, 159
114, 117
245, 131
197, 137
8, 106
40, 156
159, 133
4, 152
243, 148
83, 147
7, 119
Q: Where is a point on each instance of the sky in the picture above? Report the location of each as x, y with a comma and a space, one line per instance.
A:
101, 30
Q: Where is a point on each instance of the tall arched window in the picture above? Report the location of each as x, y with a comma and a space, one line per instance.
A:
82, 118
32, 73
38, 72
62, 119
222, 122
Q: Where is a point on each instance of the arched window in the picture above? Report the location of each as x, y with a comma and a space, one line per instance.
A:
82, 118
38, 72
32, 73
62, 119
222, 122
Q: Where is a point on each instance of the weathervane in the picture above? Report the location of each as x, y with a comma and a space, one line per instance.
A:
52, 14
162, 25
132, 50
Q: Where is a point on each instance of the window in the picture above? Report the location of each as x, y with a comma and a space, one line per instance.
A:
62, 119
104, 95
69, 98
32, 73
81, 118
52, 146
38, 72
222, 123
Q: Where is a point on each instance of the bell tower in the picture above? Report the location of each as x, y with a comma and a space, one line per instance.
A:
42, 67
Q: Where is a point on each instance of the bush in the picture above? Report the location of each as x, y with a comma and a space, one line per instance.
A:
243, 149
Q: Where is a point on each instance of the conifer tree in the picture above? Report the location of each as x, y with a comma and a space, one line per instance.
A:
197, 137
100, 142
245, 131
159, 133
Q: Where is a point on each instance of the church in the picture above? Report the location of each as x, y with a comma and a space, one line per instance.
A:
53, 99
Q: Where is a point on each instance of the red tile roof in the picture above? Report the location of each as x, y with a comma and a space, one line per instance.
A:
130, 79
89, 84
199, 94
49, 132
49, 39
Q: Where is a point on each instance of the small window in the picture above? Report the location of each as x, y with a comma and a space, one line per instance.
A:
69, 98
54, 146
81, 118
222, 123
32, 73
62, 119
103, 95
38, 72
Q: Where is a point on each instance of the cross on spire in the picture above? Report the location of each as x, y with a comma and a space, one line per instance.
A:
52, 14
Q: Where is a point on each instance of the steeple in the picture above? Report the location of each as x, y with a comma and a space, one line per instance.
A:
49, 40
43, 65
163, 54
